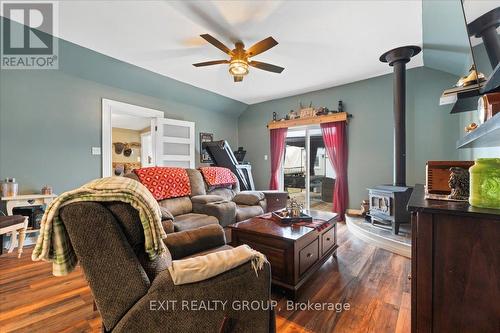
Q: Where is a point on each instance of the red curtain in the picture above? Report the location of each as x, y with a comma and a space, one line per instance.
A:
335, 139
278, 136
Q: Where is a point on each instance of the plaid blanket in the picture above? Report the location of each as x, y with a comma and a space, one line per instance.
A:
53, 243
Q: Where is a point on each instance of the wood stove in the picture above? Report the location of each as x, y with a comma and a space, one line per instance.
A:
388, 202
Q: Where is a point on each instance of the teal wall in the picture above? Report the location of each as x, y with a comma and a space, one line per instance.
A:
445, 42
50, 119
431, 131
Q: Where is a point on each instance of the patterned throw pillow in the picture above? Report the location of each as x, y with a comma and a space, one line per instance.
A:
165, 182
217, 177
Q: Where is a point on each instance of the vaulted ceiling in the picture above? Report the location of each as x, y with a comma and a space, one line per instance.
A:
321, 43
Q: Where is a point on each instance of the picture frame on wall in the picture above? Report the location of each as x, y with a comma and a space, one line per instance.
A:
204, 156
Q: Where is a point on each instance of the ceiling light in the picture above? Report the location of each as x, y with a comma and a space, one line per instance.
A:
238, 67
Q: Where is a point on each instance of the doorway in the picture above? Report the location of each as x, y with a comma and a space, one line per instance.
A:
156, 141
308, 176
125, 128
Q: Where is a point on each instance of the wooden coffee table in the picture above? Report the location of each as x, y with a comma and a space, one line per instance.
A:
294, 252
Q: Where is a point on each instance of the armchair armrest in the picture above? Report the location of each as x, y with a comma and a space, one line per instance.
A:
224, 211
249, 198
170, 308
188, 242
206, 198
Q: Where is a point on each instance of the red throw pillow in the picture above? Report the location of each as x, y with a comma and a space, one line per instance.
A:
216, 177
165, 182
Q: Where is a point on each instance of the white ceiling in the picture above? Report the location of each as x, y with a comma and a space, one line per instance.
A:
321, 43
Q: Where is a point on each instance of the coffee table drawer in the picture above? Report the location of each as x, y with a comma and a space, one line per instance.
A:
328, 240
308, 256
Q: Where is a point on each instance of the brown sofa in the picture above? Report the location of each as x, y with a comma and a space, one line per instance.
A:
128, 288
207, 206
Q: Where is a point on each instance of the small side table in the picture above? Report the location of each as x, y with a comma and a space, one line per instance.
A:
7, 204
12, 224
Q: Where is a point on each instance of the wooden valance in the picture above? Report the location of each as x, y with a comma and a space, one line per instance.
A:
327, 118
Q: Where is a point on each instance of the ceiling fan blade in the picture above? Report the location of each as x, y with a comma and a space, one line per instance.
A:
265, 66
238, 78
215, 42
261, 46
210, 63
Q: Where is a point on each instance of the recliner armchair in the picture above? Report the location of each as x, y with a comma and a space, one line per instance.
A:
128, 288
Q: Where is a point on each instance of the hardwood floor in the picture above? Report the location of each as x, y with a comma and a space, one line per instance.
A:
372, 281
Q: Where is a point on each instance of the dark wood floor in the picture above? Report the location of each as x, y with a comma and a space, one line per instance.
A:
373, 282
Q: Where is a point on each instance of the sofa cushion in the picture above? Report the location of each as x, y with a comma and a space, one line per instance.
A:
193, 221
244, 212
177, 206
207, 198
249, 198
197, 183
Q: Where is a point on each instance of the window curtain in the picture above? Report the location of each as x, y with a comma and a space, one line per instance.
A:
278, 136
335, 139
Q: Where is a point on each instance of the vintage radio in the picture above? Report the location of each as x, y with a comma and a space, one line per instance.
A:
438, 174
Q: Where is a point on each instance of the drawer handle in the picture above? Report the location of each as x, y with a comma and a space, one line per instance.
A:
309, 255
328, 239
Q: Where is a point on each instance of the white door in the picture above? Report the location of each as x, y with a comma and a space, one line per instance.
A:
147, 156
174, 143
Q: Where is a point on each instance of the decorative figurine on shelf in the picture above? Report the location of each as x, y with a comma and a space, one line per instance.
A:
275, 116
459, 183
472, 78
291, 115
47, 190
321, 111
294, 208
340, 107
471, 127
306, 112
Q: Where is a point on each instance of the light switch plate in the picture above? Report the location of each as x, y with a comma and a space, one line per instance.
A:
96, 150
265, 157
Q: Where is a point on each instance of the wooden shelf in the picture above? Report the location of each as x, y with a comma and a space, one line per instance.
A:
328, 118
464, 99
486, 135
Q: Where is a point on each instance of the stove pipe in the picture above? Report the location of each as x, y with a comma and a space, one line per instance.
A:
398, 58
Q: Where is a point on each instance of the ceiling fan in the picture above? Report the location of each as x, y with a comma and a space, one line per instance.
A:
239, 61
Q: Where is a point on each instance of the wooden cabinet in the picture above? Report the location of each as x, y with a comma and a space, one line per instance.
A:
294, 252
455, 266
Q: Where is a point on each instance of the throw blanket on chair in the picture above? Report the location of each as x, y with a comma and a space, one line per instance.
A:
165, 182
204, 267
53, 243
218, 176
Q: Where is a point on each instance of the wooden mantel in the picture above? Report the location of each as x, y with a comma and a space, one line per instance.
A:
327, 118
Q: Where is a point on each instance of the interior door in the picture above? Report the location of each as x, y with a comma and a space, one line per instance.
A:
173, 142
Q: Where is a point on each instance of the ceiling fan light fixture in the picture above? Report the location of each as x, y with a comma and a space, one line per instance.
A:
238, 67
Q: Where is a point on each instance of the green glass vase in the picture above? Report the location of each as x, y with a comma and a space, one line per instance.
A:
485, 183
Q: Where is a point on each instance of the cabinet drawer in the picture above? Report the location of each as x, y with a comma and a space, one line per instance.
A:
308, 256
327, 240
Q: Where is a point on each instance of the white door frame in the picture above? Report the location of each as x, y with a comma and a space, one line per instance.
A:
109, 107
